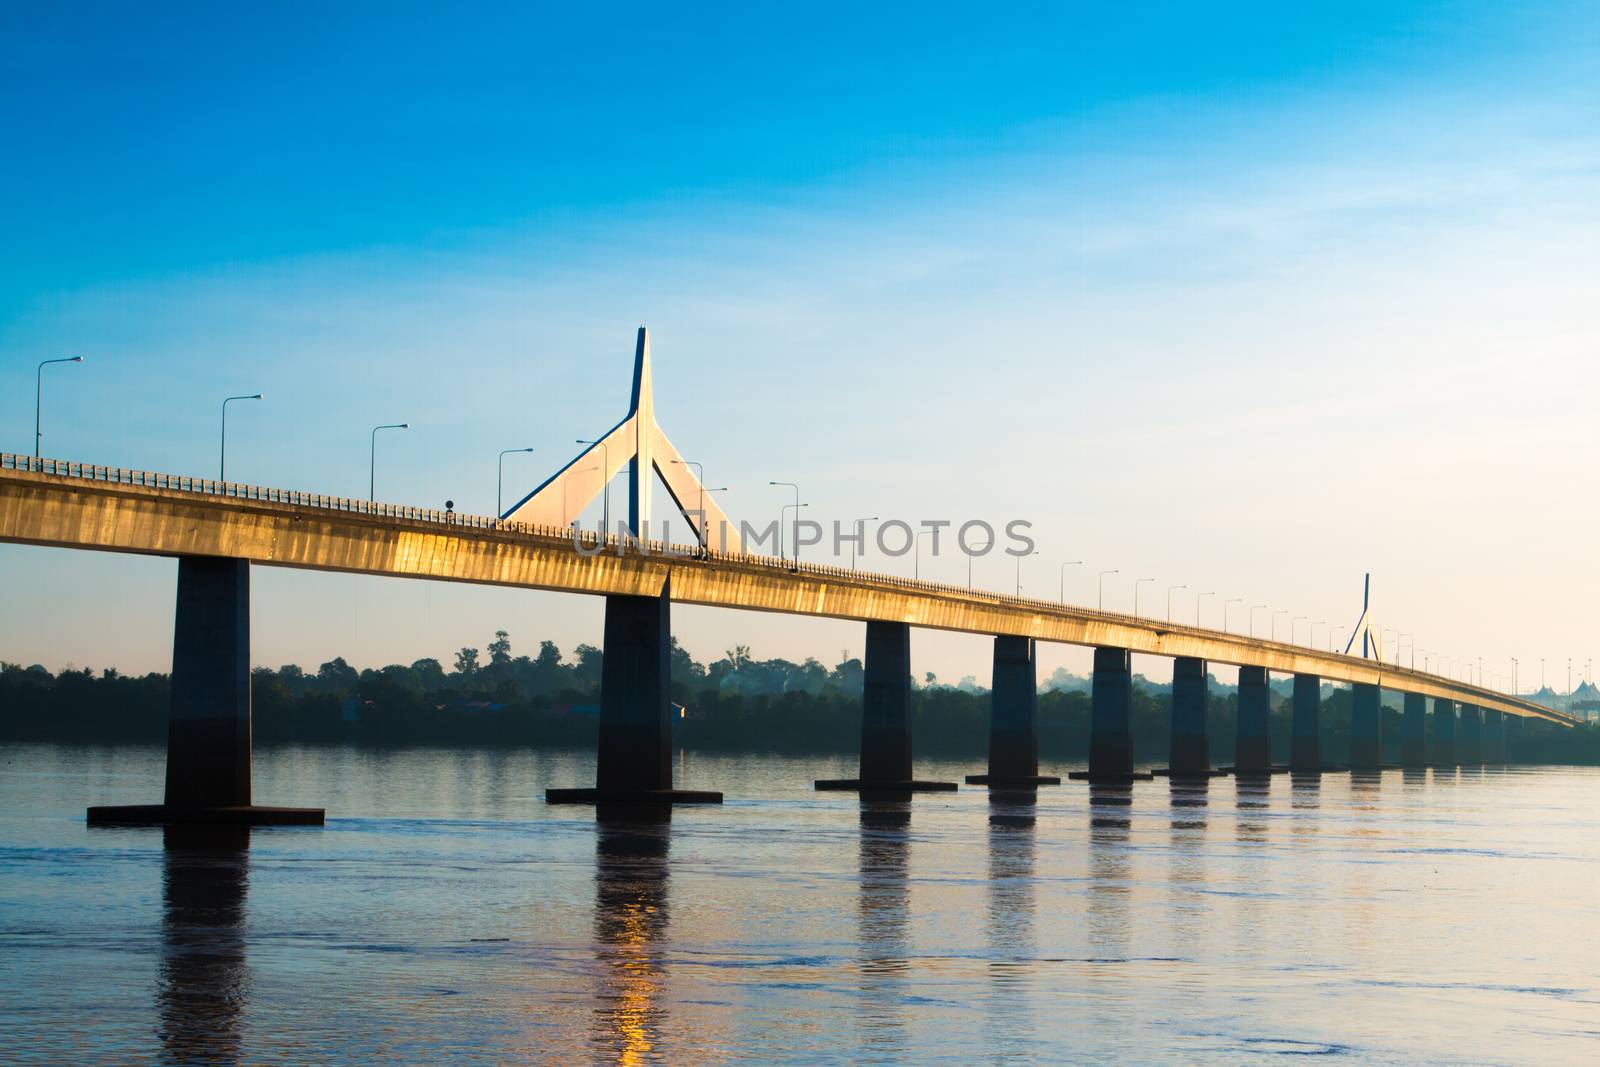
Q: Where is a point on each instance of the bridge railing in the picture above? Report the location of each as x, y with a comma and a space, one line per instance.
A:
588, 539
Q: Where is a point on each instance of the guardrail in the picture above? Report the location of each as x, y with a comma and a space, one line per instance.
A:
456, 521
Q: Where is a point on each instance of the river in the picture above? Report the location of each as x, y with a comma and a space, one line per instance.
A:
446, 913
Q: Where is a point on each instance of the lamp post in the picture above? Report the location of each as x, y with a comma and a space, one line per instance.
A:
968, 552
222, 452
1412, 641
1062, 597
372, 458
796, 489
1101, 603
1274, 622
1225, 604
861, 534
1294, 626
1137, 582
38, 396
705, 541
605, 476
500, 479
1198, 597
1170, 590
797, 508
1311, 636
1019, 569
700, 477
1253, 609
916, 554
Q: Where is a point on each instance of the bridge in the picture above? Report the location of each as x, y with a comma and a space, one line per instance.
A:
218, 530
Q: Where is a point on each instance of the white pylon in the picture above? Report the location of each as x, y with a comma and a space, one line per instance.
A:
639, 442
1366, 628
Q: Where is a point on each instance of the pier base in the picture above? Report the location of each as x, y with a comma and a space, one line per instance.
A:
1414, 731
1469, 739
1442, 745
886, 718
1189, 750
634, 763
208, 724
1013, 715
1366, 739
1305, 729
1252, 748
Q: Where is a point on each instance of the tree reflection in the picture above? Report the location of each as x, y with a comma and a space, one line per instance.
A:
630, 919
204, 978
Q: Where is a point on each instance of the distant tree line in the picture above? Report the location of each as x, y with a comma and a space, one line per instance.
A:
737, 703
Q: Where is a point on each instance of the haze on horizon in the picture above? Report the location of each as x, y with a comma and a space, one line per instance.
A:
1246, 300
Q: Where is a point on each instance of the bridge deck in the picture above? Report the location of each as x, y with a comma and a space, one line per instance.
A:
111, 509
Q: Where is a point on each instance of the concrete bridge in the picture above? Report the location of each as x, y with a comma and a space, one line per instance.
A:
218, 531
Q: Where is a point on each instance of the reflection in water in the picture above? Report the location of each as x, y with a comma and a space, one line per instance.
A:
883, 914
630, 921
204, 979
1187, 862
1009, 1019
1109, 869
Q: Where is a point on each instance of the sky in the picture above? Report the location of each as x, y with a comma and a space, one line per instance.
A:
1244, 298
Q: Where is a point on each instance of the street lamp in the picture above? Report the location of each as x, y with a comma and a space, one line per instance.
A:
1170, 590
1071, 563
1311, 637
797, 508
916, 553
1137, 582
700, 477
1294, 624
38, 395
1225, 604
605, 475
1019, 570
968, 553
500, 478
1412, 641
796, 489
222, 454
1274, 622
1253, 609
705, 541
1101, 603
861, 534
372, 458
1198, 597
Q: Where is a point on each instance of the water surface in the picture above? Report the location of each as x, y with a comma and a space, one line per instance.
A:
446, 912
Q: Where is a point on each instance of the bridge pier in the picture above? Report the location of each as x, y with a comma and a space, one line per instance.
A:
1366, 737
1305, 738
1111, 720
1252, 743
1469, 747
1513, 734
1013, 715
208, 718
1442, 753
634, 762
1189, 754
1494, 736
1414, 731
886, 717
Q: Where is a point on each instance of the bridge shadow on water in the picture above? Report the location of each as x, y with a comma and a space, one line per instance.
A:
204, 980
632, 859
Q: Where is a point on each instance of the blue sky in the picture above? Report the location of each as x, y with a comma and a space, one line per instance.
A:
1232, 296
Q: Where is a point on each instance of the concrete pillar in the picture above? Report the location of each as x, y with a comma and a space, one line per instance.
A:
1013, 715
1366, 740
1110, 716
1494, 736
886, 715
1190, 752
1469, 747
1443, 751
208, 726
1252, 747
1414, 731
635, 695
1305, 742
1513, 733
886, 704
634, 763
